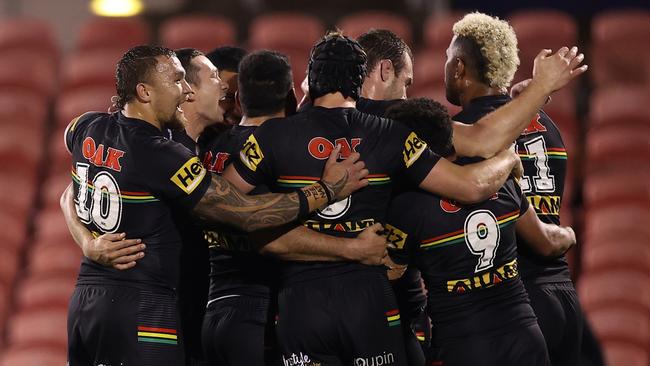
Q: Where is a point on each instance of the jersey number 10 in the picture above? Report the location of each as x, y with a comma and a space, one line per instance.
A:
105, 209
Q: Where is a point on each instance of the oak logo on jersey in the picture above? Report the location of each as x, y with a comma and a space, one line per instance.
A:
449, 206
396, 236
546, 205
534, 126
251, 154
321, 148
215, 163
95, 155
189, 176
413, 148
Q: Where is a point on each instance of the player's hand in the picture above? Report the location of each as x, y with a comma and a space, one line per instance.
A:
516, 89
394, 271
572, 235
344, 177
554, 71
369, 247
114, 250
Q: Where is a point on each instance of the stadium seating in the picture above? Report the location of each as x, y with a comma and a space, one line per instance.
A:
356, 24
429, 68
608, 253
605, 188
438, 30
284, 30
111, 33
45, 291
618, 147
624, 354
75, 102
34, 356
539, 29
618, 52
94, 68
621, 324
29, 70
46, 328
623, 105
202, 32
20, 34
615, 288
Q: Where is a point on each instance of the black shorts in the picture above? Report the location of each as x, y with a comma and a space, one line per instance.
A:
234, 331
113, 325
560, 318
521, 346
349, 319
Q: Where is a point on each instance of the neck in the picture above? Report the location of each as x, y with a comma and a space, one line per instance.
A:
257, 121
195, 124
334, 100
476, 90
369, 89
141, 112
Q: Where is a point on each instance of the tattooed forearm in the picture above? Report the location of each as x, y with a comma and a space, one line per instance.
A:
223, 203
336, 187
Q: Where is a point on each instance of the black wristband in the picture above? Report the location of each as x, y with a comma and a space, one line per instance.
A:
330, 195
303, 210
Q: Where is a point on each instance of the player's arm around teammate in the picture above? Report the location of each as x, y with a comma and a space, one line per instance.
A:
546, 239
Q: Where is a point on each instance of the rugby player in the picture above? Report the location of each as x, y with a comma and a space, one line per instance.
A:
467, 255
129, 177
481, 63
317, 321
226, 59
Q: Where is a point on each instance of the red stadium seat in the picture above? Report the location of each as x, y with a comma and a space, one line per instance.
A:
91, 68
50, 225
14, 227
21, 107
613, 147
619, 55
357, 24
621, 324
539, 29
36, 356
615, 288
45, 328
72, 104
202, 32
28, 34
55, 257
613, 187
52, 189
624, 354
600, 255
44, 292
285, 30
438, 30
429, 68
9, 260
624, 219
121, 33
620, 106
28, 70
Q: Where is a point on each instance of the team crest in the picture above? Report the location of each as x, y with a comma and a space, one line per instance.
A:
449, 206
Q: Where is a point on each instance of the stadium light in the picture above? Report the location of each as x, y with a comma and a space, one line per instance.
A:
116, 8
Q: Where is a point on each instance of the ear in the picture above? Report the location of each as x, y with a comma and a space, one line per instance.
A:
386, 70
460, 71
142, 92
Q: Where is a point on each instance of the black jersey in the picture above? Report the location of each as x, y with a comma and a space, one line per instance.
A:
468, 259
235, 269
376, 107
544, 158
289, 153
129, 177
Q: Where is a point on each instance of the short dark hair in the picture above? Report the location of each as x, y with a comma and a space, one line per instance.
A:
185, 56
227, 57
135, 67
382, 44
429, 120
264, 82
473, 57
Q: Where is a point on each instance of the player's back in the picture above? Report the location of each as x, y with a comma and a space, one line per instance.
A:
468, 259
292, 152
128, 178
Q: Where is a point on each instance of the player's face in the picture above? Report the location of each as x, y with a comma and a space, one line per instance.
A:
232, 114
209, 91
168, 90
397, 88
452, 91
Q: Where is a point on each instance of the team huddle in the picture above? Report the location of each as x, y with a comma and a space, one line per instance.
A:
224, 223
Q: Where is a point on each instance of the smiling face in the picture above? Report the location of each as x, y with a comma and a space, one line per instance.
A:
168, 90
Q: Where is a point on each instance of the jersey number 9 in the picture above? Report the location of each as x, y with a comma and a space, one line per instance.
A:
482, 237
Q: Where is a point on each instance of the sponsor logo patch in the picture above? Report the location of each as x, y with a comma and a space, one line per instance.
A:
396, 236
251, 154
413, 148
189, 176
386, 358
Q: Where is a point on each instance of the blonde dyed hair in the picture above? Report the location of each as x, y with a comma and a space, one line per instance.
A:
498, 44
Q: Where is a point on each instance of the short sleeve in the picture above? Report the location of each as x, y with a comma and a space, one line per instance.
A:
174, 172
416, 158
254, 163
77, 124
402, 228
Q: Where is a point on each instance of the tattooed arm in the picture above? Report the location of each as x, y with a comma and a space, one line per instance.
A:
224, 203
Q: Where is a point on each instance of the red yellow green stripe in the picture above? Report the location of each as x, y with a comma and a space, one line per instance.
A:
459, 235
125, 196
393, 318
552, 153
378, 179
296, 180
157, 335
